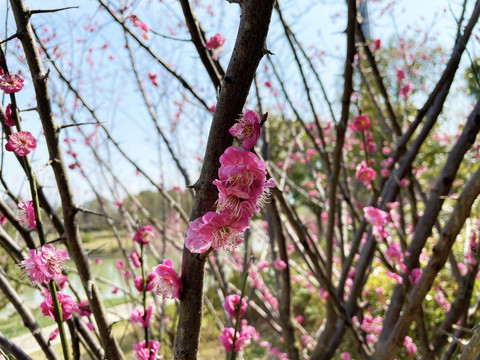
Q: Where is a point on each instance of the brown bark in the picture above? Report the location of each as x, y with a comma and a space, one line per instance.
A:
277, 235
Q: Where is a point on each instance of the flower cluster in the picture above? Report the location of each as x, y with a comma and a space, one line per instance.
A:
142, 352
151, 282
242, 339
405, 89
163, 278
378, 219
141, 25
67, 304
138, 316
242, 187
44, 264
22, 142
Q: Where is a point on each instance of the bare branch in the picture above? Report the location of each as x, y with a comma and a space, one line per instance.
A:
47, 11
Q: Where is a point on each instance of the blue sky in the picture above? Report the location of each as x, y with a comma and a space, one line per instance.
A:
109, 87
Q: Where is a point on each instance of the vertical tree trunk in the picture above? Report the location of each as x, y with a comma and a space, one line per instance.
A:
249, 49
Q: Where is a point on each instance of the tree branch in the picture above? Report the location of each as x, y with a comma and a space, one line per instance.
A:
248, 51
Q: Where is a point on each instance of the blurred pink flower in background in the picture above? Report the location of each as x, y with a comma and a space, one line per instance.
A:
44, 264
167, 281
26, 214
144, 235
67, 304
231, 303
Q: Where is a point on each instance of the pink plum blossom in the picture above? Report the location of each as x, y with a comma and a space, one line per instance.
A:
62, 281
52, 335
67, 304
406, 90
377, 45
372, 324
345, 356
241, 174
153, 78
120, 264
279, 264
138, 316
235, 206
442, 301
415, 275
144, 353
242, 340
21, 142
247, 130
369, 145
11, 83
9, 118
470, 257
193, 240
135, 259
361, 123
140, 24
167, 280
26, 214
410, 346
215, 42
138, 282
44, 264
398, 279
263, 264
144, 235
215, 230
394, 253
127, 274
83, 308
365, 173
231, 305
376, 217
